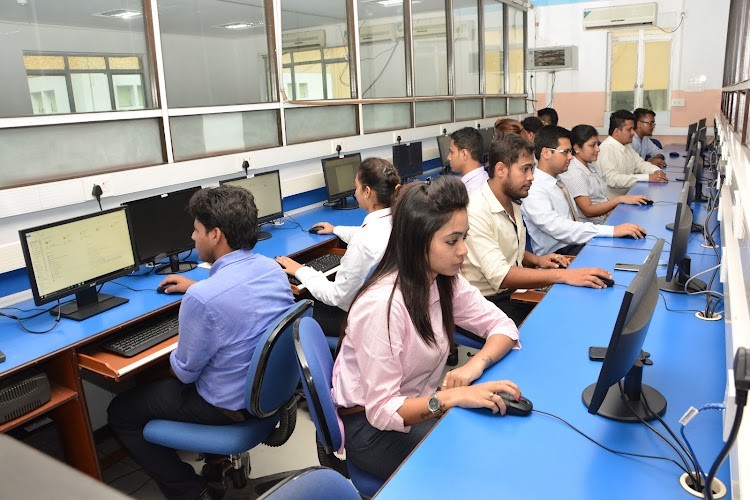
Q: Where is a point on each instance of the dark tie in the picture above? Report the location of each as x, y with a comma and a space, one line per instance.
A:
571, 205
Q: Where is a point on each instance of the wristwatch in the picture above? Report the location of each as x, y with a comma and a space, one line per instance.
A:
433, 404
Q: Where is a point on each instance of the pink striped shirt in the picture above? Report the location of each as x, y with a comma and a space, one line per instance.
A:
379, 371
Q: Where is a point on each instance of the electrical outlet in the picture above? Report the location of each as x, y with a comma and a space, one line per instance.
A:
677, 102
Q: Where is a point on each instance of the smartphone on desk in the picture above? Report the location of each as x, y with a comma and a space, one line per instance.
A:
627, 267
597, 353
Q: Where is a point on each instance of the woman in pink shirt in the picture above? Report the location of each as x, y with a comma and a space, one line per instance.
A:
399, 332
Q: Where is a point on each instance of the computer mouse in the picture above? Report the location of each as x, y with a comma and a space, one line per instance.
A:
674, 154
163, 287
608, 281
649, 202
314, 229
520, 408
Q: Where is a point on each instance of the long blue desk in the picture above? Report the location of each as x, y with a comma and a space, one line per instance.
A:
540, 457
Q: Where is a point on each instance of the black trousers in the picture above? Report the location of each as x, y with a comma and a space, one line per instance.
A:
380, 452
330, 318
167, 399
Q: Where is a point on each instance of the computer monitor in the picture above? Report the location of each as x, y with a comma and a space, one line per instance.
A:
339, 174
162, 228
407, 158
73, 256
692, 128
444, 146
675, 281
618, 392
487, 135
701, 123
697, 175
266, 190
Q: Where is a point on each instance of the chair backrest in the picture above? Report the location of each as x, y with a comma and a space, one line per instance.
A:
271, 377
656, 142
314, 483
315, 369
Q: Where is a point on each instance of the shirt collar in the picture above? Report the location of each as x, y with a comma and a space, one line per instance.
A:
543, 177
587, 166
229, 259
615, 143
470, 175
377, 214
495, 205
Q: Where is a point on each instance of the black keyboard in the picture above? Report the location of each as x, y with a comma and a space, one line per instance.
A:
324, 263
143, 337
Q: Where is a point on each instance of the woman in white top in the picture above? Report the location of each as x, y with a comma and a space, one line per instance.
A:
375, 185
584, 179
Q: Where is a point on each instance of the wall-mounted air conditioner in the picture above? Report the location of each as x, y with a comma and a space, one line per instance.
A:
435, 28
378, 33
620, 16
552, 58
303, 39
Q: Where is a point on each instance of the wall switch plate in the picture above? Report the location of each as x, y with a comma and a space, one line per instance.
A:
678, 101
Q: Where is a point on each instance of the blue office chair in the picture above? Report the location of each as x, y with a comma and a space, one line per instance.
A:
315, 368
467, 341
656, 142
270, 397
314, 483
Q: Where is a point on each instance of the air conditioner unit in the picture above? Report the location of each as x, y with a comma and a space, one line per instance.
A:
435, 28
552, 58
378, 33
303, 39
620, 16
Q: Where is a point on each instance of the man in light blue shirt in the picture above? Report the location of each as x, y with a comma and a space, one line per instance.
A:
221, 319
465, 156
645, 121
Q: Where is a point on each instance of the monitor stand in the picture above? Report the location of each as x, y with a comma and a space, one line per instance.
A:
263, 235
176, 266
88, 303
677, 285
694, 228
342, 204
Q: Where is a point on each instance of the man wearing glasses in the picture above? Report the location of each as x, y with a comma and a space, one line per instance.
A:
549, 211
620, 164
645, 121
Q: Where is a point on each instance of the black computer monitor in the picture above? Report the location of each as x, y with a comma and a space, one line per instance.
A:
339, 174
487, 135
675, 279
618, 392
266, 190
162, 228
444, 146
701, 123
692, 128
407, 158
697, 175
74, 256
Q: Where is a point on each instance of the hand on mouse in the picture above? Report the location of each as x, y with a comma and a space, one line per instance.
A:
633, 199
290, 266
658, 161
484, 395
553, 261
327, 227
629, 230
584, 276
176, 284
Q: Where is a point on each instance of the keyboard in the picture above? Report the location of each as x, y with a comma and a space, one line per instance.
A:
144, 336
324, 263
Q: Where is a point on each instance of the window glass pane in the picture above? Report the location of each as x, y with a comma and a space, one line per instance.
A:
515, 51
128, 91
382, 58
378, 117
206, 135
493, 48
309, 30
214, 52
310, 124
468, 109
656, 75
516, 106
623, 74
91, 92
59, 39
430, 45
430, 112
466, 47
495, 106
63, 151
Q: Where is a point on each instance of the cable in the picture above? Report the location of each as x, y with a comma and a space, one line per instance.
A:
385, 66
682, 18
114, 282
684, 422
20, 320
552, 89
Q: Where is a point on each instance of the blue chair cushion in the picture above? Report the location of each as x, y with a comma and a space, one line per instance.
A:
366, 483
217, 439
463, 340
316, 483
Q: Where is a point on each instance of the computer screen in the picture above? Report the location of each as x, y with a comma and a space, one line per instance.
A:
692, 128
407, 158
611, 396
701, 123
163, 228
675, 280
74, 256
339, 174
444, 146
266, 190
487, 135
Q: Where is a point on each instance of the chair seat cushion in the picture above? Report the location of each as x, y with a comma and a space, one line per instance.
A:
366, 483
465, 341
217, 439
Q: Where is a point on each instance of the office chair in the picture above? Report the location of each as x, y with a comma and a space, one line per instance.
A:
270, 397
656, 142
314, 483
466, 341
315, 368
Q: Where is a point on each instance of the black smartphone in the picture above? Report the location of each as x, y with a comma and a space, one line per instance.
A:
627, 267
597, 353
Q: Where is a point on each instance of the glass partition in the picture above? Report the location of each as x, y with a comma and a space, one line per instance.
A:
382, 56
494, 73
466, 47
430, 62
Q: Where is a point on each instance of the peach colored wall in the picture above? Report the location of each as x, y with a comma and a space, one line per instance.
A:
577, 107
697, 105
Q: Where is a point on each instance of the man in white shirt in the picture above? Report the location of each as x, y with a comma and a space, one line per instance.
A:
645, 121
619, 163
465, 156
498, 262
549, 210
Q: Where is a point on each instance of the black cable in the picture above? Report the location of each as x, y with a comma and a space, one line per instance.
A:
114, 282
20, 320
605, 447
385, 66
708, 494
657, 239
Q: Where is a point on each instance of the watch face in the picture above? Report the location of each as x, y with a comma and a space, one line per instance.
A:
434, 404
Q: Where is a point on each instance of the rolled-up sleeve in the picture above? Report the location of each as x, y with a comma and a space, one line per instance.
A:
485, 253
478, 315
197, 344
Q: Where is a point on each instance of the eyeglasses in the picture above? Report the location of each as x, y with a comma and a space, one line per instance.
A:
565, 152
653, 124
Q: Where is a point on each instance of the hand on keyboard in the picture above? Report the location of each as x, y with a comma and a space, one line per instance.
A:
290, 266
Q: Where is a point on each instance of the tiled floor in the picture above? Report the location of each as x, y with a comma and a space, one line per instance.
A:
297, 453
